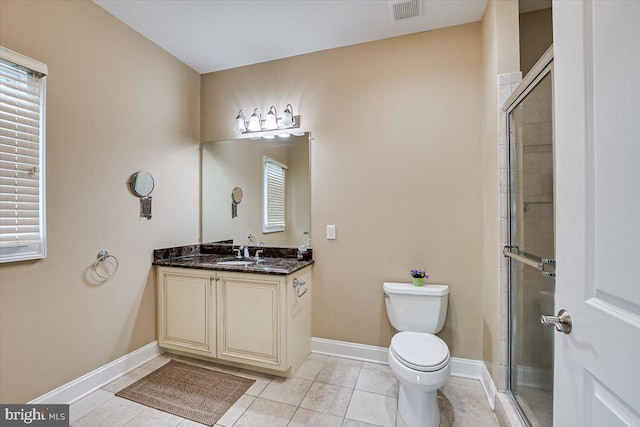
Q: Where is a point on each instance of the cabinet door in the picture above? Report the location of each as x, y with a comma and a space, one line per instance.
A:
250, 320
185, 312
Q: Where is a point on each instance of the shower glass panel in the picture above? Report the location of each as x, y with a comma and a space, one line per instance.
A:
531, 223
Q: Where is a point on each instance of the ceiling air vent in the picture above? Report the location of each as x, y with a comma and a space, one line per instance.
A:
404, 9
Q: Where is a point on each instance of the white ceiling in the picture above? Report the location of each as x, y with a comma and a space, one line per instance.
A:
213, 35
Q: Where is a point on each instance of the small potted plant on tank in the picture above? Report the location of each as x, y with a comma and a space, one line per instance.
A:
418, 277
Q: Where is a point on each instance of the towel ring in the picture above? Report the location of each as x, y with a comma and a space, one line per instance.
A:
103, 255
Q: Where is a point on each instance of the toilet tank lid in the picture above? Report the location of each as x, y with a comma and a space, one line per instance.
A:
410, 289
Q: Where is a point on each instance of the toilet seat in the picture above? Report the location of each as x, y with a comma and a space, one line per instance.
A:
420, 351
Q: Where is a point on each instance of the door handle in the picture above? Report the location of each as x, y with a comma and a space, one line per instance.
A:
562, 321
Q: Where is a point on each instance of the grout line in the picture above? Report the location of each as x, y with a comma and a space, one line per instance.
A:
243, 412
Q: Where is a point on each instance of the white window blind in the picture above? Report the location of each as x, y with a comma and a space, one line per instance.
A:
274, 195
22, 110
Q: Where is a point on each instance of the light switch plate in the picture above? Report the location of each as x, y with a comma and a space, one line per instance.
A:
331, 232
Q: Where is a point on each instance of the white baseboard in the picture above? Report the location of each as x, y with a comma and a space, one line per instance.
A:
488, 386
349, 350
464, 368
82, 386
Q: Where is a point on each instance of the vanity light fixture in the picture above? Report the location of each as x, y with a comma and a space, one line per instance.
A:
287, 119
241, 121
270, 123
254, 122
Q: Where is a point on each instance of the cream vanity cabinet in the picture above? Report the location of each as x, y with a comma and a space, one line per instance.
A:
256, 320
186, 310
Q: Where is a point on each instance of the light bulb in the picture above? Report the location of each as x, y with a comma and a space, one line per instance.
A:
270, 122
240, 124
287, 117
254, 122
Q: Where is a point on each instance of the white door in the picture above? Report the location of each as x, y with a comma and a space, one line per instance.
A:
597, 123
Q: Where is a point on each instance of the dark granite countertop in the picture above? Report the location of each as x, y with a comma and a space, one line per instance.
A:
267, 265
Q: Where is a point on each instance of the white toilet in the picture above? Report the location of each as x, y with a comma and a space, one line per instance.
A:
418, 358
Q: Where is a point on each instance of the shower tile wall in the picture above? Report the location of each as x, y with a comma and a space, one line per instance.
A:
507, 83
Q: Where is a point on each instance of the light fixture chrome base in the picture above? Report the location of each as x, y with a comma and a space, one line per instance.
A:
295, 125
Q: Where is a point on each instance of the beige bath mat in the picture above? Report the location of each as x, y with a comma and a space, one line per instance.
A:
188, 391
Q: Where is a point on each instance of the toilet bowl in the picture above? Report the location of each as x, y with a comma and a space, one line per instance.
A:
419, 359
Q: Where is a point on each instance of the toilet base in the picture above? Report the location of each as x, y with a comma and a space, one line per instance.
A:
418, 408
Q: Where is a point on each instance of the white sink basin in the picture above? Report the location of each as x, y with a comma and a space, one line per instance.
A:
244, 263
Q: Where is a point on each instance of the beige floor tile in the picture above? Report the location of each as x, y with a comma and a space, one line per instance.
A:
339, 373
343, 361
309, 369
306, 418
127, 379
266, 413
154, 418
476, 419
465, 395
114, 413
382, 367
372, 408
157, 362
189, 423
353, 423
262, 380
236, 411
327, 398
379, 382
87, 404
319, 357
286, 390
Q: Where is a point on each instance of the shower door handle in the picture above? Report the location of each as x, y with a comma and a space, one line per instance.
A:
562, 321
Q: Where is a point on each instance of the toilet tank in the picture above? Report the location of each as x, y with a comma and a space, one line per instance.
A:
416, 308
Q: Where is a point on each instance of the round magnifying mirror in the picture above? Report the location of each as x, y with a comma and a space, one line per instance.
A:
236, 195
141, 183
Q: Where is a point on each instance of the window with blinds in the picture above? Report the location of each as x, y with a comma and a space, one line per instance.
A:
22, 118
274, 195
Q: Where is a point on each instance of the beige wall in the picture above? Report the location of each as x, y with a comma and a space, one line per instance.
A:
116, 104
536, 35
394, 164
500, 55
490, 309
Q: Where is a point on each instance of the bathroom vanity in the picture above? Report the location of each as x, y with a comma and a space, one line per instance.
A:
243, 313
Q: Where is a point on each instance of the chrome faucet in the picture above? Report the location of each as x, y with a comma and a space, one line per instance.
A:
243, 250
258, 253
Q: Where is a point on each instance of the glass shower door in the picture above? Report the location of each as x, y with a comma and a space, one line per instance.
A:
532, 250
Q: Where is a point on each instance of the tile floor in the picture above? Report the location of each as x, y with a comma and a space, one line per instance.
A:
325, 392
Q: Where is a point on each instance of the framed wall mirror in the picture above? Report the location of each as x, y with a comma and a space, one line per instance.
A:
240, 163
